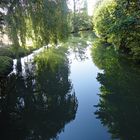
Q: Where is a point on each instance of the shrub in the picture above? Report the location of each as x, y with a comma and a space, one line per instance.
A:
6, 64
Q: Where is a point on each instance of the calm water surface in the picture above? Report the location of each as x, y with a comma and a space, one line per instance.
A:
71, 94
85, 126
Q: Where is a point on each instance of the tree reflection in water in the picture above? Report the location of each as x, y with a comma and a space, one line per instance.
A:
119, 104
38, 105
79, 42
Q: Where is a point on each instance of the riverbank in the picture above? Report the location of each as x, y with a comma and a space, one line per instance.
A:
6, 65
7, 54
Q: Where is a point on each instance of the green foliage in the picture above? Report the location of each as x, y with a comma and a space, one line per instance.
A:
79, 18
52, 58
6, 64
119, 22
40, 22
81, 21
103, 54
13, 52
6, 51
103, 18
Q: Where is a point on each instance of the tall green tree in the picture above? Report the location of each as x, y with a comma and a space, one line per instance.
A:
79, 18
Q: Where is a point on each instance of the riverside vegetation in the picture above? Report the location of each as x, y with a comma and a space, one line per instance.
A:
118, 22
33, 24
48, 22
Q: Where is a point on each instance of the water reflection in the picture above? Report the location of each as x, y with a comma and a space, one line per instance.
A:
37, 105
119, 104
78, 44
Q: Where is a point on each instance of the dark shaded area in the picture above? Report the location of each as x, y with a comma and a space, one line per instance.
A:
6, 64
119, 104
37, 104
86, 29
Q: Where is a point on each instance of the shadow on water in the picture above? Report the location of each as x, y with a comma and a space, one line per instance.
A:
38, 104
119, 104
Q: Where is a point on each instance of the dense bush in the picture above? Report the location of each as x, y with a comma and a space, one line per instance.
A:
6, 64
118, 22
6, 51
15, 52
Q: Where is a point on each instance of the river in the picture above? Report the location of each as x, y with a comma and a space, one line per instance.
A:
71, 92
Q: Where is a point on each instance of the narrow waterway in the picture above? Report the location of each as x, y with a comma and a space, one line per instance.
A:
71, 92
85, 126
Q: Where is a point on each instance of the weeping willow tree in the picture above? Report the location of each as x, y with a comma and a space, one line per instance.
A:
39, 22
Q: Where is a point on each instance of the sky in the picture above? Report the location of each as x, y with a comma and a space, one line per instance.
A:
91, 4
